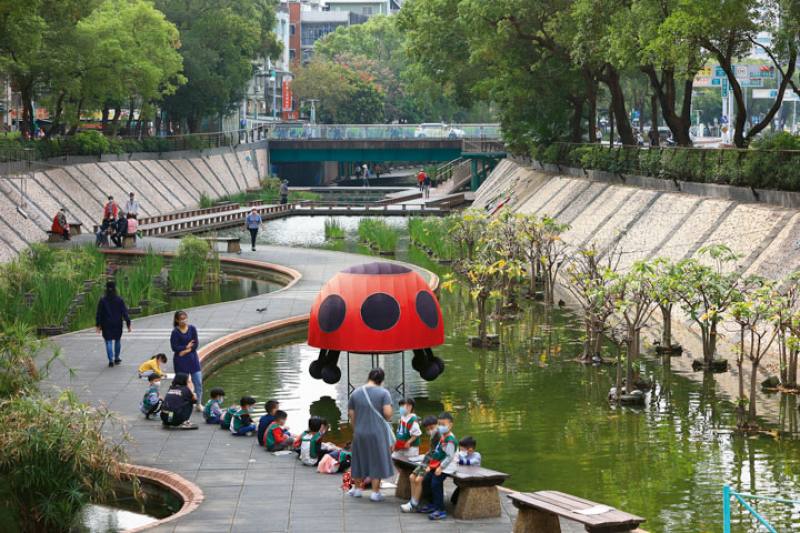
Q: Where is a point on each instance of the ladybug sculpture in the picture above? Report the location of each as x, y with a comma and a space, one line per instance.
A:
375, 308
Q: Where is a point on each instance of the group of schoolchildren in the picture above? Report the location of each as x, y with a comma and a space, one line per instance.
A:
444, 454
427, 480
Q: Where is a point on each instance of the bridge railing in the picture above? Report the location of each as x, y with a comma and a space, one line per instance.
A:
749, 502
355, 132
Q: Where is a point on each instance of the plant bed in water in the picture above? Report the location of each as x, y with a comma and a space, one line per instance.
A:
674, 350
49, 331
182, 293
717, 366
136, 310
491, 341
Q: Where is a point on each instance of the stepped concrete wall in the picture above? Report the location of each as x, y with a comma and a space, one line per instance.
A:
162, 184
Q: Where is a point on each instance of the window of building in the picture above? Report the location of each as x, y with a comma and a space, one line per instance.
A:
292, 29
292, 54
311, 33
367, 10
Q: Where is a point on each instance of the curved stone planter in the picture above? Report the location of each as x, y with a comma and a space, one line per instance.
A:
187, 491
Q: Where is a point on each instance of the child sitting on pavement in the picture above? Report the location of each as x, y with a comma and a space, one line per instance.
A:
212, 411
277, 438
271, 406
153, 366
416, 477
242, 423
408, 431
309, 444
151, 402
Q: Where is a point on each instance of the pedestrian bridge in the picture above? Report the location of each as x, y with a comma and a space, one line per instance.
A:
290, 143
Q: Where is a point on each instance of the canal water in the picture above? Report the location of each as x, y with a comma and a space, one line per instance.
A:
544, 418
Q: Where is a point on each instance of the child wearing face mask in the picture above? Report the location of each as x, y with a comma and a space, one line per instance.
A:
443, 460
408, 431
309, 444
151, 402
417, 476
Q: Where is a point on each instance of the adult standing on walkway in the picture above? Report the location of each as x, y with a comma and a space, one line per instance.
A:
421, 179
132, 206
253, 223
365, 174
370, 409
185, 360
426, 187
284, 191
111, 209
111, 311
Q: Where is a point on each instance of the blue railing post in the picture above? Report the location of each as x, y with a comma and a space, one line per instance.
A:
726, 509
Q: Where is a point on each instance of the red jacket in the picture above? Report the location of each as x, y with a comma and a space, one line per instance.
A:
111, 210
59, 226
421, 176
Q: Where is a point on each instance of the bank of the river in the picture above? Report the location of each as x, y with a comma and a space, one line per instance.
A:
538, 414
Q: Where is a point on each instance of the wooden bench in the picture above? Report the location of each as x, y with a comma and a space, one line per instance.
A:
477, 488
54, 237
539, 512
233, 244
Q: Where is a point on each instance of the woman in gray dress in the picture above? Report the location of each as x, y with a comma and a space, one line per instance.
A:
370, 409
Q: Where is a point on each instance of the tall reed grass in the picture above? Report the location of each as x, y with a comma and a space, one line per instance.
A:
433, 235
378, 234
333, 229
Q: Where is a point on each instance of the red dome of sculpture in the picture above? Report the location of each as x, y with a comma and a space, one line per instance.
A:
376, 308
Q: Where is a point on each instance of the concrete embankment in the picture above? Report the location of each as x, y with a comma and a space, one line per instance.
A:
642, 223
163, 183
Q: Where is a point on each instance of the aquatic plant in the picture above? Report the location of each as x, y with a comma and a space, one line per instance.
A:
333, 229
378, 234
434, 236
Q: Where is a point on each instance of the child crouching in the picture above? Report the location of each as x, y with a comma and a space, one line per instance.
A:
151, 402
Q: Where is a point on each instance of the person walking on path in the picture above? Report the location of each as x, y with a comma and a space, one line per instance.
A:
365, 174
426, 187
111, 209
132, 206
185, 360
111, 311
421, 179
284, 191
370, 409
60, 225
253, 223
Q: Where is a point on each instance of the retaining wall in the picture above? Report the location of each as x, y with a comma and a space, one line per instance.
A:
163, 183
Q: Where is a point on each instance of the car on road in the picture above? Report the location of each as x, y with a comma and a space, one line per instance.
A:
437, 130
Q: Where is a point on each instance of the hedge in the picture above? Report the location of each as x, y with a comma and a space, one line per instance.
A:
756, 167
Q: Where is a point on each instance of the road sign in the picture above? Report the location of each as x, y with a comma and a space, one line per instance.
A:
751, 83
772, 94
704, 81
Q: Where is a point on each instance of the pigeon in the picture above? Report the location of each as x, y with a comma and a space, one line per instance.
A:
261, 309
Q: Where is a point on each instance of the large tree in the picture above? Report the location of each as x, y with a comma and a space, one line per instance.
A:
220, 40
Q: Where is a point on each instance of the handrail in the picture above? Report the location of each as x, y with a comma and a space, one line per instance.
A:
728, 493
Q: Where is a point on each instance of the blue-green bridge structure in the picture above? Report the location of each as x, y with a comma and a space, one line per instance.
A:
305, 151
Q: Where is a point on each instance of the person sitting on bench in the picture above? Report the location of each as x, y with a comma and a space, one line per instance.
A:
133, 225
120, 229
60, 225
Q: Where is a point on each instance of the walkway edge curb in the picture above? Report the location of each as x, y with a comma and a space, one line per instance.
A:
190, 493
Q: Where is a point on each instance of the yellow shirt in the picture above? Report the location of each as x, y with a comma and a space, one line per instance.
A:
150, 364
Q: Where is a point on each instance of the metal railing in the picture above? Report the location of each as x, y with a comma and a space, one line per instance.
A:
728, 494
347, 132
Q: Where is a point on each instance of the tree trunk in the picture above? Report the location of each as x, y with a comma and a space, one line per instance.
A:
654, 116
610, 127
629, 361
104, 119
26, 95
131, 110
74, 129
59, 110
751, 416
792, 378
611, 79
115, 120
666, 94
576, 130
482, 319
666, 330
741, 419
591, 101
776, 105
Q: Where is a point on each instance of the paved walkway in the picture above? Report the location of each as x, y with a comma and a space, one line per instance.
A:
246, 489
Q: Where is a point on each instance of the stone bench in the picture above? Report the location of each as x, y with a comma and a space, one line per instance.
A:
54, 237
233, 244
477, 488
75, 228
539, 512
129, 241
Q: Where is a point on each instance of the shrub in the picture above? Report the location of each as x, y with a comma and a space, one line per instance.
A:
205, 200
55, 460
89, 143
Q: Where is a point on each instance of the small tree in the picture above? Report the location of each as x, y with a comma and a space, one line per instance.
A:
553, 252
666, 285
755, 313
529, 237
588, 281
707, 292
787, 322
631, 295
467, 230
